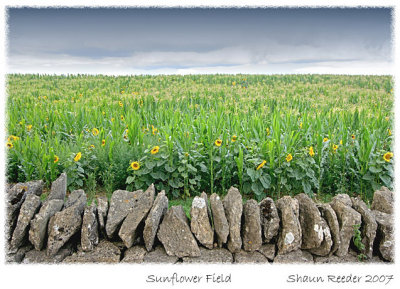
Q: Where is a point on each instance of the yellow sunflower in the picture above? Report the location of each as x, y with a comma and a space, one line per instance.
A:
234, 138
289, 157
155, 150
77, 157
325, 139
103, 142
388, 156
135, 166
120, 104
353, 136
9, 145
95, 131
261, 165
218, 142
311, 151
56, 159
29, 127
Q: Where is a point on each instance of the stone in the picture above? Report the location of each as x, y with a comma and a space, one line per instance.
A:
89, 231
348, 218
38, 226
268, 250
14, 199
157, 212
221, 225
62, 226
175, 234
233, 207
28, 209
18, 256
159, 256
215, 256
134, 254
58, 188
290, 235
383, 201
204, 196
294, 257
200, 223
102, 209
251, 230
121, 204
104, 252
385, 235
78, 199
130, 226
249, 257
336, 259
368, 226
343, 198
40, 257
330, 217
269, 219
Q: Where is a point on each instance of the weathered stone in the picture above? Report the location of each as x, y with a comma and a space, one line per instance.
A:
159, 256
368, 226
221, 225
121, 204
89, 231
268, 250
329, 216
38, 226
200, 223
249, 257
174, 233
383, 201
28, 209
344, 198
251, 230
215, 256
134, 254
78, 199
269, 219
62, 226
233, 206
385, 235
293, 257
129, 229
290, 235
157, 212
336, 259
18, 256
14, 199
35, 256
104, 252
204, 196
348, 218
102, 209
58, 188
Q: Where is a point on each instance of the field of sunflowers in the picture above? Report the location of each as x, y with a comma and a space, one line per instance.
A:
267, 135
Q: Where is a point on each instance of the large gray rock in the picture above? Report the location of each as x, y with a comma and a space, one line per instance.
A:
221, 225
62, 226
40, 257
215, 256
368, 226
385, 235
204, 196
102, 209
121, 204
18, 256
290, 235
38, 227
233, 206
175, 234
383, 201
130, 227
250, 257
89, 231
134, 254
348, 218
14, 199
157, 212
330, 217
200, 223
58, 188
104, 252
159, 256
294, 257
251, 230
268, 250
269, 219
28, 209
78, 199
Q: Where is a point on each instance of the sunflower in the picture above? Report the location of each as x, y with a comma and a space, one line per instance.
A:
311, 151
155, 150
92, 147
389, 132
289, 157
334, 147
9, 145
103, 142
341, 142
112, 119
56, 159
122, 117
234, 138
135, 166
301, 125
325, 139
77, 157
267, 130
387, 156
353, 136
29, 127
218, 142
95, 131
120, 104
261, 165
233, 83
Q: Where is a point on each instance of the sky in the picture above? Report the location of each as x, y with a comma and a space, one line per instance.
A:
197, 40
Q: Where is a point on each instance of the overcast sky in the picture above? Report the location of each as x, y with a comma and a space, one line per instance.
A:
167, 41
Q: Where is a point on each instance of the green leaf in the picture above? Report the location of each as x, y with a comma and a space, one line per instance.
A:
191, 168
251, 173
375, 170
257, 188
130, 179
265, 181
306, 187
386, 180
150, 165
169, 169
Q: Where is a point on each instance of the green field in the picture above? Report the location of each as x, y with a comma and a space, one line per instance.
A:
267, 135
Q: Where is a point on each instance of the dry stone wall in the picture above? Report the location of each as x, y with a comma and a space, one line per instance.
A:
138, 227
